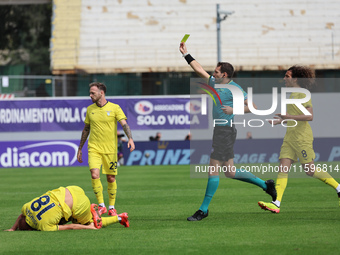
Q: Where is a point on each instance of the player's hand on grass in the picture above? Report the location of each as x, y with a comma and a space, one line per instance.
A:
9, 230
92, 226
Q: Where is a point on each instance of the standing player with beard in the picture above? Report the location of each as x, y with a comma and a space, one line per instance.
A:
298, 141
101, 118
224, 135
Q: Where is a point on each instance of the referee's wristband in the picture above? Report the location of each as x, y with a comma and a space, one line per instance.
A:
189, 58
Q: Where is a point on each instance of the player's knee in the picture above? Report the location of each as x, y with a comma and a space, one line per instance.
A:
95, 173
110, 178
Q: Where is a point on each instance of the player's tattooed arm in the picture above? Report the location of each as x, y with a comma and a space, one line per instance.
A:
127, 131
84, 135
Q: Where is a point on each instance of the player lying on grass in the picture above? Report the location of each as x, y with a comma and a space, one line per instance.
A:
298, 141
52, 210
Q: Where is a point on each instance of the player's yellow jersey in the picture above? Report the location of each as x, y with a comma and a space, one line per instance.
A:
103, 127
45, 212
302, 131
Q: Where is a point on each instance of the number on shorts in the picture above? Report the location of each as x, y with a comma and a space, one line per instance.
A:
37, 204
304, 153
113, 165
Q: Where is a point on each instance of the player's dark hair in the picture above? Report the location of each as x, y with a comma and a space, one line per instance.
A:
99, 85
23, 224
226, 68
305, 76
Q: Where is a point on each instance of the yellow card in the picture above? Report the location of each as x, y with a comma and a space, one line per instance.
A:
185, 38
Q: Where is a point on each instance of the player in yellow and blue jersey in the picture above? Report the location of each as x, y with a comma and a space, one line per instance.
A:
224, 135
52, 210
298, 141
101, 119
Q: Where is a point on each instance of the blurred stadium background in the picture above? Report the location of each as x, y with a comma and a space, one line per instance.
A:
52, 50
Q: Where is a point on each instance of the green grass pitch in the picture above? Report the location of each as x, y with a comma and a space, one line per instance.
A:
160, 198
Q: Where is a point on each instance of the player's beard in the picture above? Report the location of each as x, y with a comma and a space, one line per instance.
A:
96, 99
218, 80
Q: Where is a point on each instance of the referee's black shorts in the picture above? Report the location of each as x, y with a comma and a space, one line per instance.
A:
223, 143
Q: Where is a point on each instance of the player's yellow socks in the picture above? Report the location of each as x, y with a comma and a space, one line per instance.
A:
109, 220
112, 190
98, 190
325, 177
281, 184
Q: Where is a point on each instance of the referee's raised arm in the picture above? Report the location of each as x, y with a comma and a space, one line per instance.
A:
192, 62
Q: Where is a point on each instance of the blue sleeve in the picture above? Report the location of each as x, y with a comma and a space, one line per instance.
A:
245, 95
211, 81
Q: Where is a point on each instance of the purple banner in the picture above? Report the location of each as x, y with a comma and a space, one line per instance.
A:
158, 153
42, 115
246, 152
250, 151
69, 114
41, 154
64, 153
165, 113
